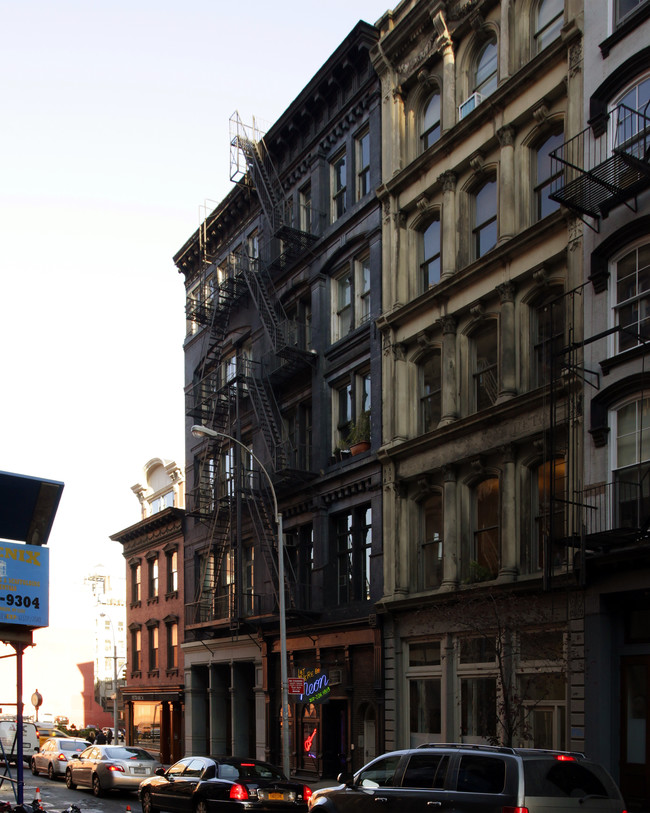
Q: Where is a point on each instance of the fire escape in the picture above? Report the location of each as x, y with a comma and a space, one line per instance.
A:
228, 492
594, 172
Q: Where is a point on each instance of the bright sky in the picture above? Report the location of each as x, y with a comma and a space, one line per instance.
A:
114, 134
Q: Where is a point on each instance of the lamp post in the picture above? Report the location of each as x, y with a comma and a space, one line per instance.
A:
203, 432
110, 621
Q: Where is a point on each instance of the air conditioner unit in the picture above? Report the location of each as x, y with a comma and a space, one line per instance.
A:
469, 104
335, 677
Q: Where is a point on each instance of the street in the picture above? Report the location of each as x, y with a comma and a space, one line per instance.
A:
56, 797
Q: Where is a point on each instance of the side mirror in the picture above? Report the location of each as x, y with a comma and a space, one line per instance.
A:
346, 778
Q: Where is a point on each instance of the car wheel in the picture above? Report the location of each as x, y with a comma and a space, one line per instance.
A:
147, 803
50, 771
34, 768
201, 806
97, 786
68, 780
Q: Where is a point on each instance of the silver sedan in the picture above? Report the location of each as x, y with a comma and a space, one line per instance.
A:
110, 767
54, 755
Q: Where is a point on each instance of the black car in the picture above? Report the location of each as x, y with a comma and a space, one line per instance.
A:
474, 779
218, 784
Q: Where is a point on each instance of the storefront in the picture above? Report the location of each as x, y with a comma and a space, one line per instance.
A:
154, 720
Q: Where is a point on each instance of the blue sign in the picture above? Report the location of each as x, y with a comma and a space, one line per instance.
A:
24, 584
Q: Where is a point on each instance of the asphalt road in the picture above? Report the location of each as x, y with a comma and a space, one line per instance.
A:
55, 797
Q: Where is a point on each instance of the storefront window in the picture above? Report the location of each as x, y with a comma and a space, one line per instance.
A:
146, 725
310, 737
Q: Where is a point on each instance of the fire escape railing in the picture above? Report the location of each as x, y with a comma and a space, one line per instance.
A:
614, 513
597, 170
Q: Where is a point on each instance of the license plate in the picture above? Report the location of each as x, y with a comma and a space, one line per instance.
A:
139, 770
276, 797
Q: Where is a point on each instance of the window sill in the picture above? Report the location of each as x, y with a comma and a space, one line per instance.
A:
152, 600
625, 28
136, 674
135, 604
171, 596
153, 673
171, 673
633, 354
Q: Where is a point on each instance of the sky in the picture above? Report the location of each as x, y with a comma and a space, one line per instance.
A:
114, 143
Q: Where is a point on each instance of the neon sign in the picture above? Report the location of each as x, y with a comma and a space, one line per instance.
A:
317, 686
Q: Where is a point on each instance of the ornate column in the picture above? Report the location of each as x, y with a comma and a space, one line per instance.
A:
450, 553
507, 343
449, 405
509, 559
449, 230
506, 136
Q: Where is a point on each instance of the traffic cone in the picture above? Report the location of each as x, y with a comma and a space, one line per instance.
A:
38, 795
128, 809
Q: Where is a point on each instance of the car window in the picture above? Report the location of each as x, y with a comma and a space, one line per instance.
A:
69, 745
380, 773
127, 752
426, 771
178, 768
478, 774
546, 777
228, 771
248, 770
86, 754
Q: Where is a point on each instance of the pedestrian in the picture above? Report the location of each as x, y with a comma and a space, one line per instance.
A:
109, 736
91, 736
100, 739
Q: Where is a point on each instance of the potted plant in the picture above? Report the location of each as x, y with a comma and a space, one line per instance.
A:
359, 434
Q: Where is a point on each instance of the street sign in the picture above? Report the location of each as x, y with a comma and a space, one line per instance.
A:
296, 685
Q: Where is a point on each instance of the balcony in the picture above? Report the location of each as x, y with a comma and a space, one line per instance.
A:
615, 514
596, 171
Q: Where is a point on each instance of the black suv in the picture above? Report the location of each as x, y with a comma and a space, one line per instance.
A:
474, 779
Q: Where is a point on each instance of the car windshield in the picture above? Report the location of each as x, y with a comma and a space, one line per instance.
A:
551, 777
248, 770
123, 752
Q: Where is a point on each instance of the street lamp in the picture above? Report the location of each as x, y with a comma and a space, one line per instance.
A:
110, 621
205, 432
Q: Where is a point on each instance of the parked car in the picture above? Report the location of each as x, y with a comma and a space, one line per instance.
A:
54, 755
110, 767
476, 778
46, 731
218, 784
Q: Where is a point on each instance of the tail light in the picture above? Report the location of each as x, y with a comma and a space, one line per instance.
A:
565, 758
306, 792
514, 810
62, 757
119, 768
238, 792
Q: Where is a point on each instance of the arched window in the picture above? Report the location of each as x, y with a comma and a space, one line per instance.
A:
546, 176
631, 297
484, 558
549, 19
549, 500
430, 392
431, 121
547, 337
431, 541
485, 75
430, 254
484, 227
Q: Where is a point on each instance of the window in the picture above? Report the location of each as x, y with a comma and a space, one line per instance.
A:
343, 408
343, 305
484, 562
162, 502
545, 179
485, 76
153, 577
478, 703
351, 399
479, 774
362, 290
338, 181
426, 771
297, 428
430, 250
628, 119
548, 22
632, 462
172, 572
305, 208
253, 246
172, 645
379, 773
549, 500
430, 558
353, 533
484, 231
136, 649
548, 339
626, 7
632, 298
430, 392
136, 583
153, 648
431, 122
227, 473
486, 380
363, 164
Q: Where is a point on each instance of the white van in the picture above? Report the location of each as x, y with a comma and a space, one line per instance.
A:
8, 744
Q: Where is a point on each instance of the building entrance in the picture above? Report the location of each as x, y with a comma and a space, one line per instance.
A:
335, 737
635, 743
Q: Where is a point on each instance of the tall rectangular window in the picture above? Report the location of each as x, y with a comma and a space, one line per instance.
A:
353, 532
632, 297
305, 208
136, 650
343, 306
172, 572
486, 373
172, 645
338, 184
136, 583
153, 577
545, 178
484, 231
430, 256
153, 648
430, 559
485, 556
362, 290
363, 164
430, 392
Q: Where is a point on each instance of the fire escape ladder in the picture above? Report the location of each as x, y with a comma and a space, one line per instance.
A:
264, 297
268, 416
